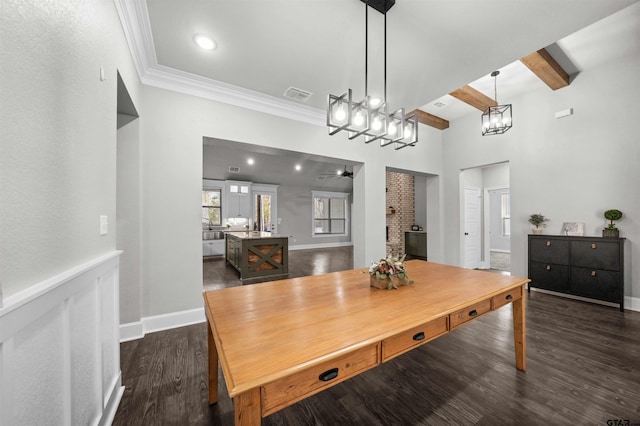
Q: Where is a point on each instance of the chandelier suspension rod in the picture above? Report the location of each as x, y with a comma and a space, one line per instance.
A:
385, 57
366, 50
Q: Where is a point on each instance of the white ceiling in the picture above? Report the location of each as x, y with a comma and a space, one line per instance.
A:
434, 47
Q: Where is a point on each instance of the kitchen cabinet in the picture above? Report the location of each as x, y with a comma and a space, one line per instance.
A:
212, 248
238, 202
257, 254
591, 267
415, 244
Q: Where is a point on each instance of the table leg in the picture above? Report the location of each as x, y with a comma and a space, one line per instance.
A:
520, 332
247, 408
213, 366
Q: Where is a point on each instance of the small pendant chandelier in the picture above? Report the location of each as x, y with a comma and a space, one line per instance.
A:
496, 119
370, 117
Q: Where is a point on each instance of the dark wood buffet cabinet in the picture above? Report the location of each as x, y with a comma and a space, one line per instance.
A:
590, 267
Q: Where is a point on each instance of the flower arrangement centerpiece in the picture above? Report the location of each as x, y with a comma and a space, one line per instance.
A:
389, 273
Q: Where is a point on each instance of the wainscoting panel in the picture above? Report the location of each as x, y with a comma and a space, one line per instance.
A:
59, 349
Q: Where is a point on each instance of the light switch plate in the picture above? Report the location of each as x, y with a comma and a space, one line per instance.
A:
104, 225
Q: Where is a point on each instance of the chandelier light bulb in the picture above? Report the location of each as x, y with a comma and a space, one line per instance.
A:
358, 119
376, 124
392, 129
340, 113
407, 132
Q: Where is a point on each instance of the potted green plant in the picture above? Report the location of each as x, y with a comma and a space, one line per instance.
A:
538, 220
611, 231
389, 273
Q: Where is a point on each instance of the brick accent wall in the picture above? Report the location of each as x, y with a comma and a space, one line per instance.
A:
401, 199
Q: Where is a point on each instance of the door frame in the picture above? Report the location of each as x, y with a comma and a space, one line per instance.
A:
271, 190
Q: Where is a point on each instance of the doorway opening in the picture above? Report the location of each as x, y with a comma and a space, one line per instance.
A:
486, 217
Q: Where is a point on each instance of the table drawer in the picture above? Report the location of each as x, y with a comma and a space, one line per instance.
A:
468, 313
282, 393
506, 297
402, 342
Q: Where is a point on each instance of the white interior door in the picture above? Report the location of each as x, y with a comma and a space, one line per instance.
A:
472, 227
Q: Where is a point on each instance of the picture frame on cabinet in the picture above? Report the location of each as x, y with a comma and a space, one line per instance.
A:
575, 229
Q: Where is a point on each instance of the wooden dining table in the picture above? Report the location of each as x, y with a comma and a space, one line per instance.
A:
282, 341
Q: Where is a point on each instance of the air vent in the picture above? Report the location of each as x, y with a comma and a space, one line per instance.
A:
439, 104
297, 94
234, 169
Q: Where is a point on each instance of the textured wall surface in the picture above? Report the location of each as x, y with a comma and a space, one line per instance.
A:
401, 196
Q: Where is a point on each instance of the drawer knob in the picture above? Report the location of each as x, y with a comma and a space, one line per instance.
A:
418, 336
509, 297
473, 313
548, 267
593, 245
328, 375
548, 243
593, 273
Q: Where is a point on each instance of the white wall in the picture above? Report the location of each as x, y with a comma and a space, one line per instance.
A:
59, 350
172, 128
128, 214
569, 169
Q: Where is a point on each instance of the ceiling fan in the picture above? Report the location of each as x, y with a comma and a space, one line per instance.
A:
339, 174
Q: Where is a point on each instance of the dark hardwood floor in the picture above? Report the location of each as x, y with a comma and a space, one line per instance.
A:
217, 274
583, 368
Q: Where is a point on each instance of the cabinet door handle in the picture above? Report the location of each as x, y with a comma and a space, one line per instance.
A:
593, 273
509, 297
473, 313
548, 267
418, 336
328, 375
593, 245
548, 243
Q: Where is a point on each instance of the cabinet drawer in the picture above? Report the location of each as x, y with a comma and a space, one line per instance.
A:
549, 276
596, 255
401, 343
549, 250
506, 297
284, 392
596, 284
468, 313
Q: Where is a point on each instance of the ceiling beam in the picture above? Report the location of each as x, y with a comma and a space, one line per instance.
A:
473, 97
430, 120
542, 64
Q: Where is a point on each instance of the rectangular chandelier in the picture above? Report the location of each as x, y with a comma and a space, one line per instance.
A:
369, 118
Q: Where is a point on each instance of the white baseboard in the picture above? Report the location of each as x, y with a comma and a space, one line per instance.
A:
137, 330
317, 246
632, 303
111, 407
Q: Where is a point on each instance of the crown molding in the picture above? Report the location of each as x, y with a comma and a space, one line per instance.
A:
134, 17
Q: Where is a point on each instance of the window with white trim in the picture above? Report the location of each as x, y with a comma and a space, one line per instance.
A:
211, 207
330, 213
505, 200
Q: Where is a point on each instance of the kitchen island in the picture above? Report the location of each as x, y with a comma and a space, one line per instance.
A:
257, 254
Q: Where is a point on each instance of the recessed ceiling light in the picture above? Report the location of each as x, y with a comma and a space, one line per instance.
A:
250, 161
298, 167
204, 42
